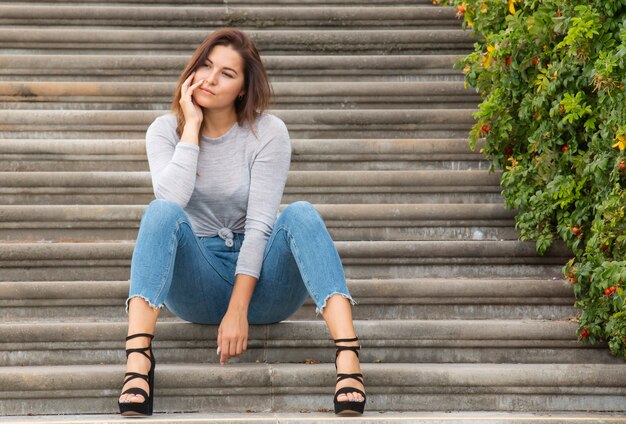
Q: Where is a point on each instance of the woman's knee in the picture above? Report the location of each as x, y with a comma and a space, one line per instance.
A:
300, 211
161, 211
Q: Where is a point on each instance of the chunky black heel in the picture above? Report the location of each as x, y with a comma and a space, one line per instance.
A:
145, 407
348, 407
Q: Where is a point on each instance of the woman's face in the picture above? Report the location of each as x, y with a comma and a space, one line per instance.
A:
224, 79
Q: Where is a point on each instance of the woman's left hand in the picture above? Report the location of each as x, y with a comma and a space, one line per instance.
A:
232, 335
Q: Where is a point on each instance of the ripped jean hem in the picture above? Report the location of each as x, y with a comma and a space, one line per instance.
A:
319, 309
153, 306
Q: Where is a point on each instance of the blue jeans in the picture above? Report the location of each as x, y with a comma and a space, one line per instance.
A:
194, 276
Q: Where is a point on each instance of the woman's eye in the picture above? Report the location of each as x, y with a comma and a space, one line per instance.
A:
228, 75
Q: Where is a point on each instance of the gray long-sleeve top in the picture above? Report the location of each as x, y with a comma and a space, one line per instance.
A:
240, 181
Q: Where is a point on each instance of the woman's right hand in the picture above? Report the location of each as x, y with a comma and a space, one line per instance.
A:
192, 112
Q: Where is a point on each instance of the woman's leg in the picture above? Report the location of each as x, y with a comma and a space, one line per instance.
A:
300, 260
338, 317
170, 267
141, 319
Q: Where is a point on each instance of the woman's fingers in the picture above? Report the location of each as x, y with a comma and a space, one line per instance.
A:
226, 349
193, 87
240, 346
233, 348
185, 86
196, 85
187, 80
222, 351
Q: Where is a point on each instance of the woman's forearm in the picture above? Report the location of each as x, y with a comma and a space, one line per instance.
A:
190, 133
242, 293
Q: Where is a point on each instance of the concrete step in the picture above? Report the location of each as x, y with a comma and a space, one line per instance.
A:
34, 39
243, 17
76, 155
288, 95
66, 223
69, 195
330, 123
337, 186
378, 299
161, 67
392, 341
309, 387
447, 417
361, 259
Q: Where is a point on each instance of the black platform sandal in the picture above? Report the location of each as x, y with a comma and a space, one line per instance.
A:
348, 407
145, 407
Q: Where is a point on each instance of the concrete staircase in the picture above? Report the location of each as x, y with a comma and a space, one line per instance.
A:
454, 313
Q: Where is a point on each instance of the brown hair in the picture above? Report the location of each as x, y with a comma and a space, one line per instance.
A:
257, 89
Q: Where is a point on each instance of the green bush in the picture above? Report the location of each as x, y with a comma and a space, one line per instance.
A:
553, 119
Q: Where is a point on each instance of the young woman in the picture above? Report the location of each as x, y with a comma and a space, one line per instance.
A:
210, 247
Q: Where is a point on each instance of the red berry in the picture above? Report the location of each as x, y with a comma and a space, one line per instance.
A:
485, 128
559, 13
508, 60
607, 291
585, 333
535, 61
612, 289
564, 148
508, 151
461, 9
575, 230
574, 280
622, 166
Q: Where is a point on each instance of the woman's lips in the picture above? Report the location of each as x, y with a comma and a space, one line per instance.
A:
207, 91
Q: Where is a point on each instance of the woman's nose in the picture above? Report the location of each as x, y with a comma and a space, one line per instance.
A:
211, 78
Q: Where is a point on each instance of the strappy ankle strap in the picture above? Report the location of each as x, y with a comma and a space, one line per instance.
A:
354, 349
132, 336
346, 340
141, 350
